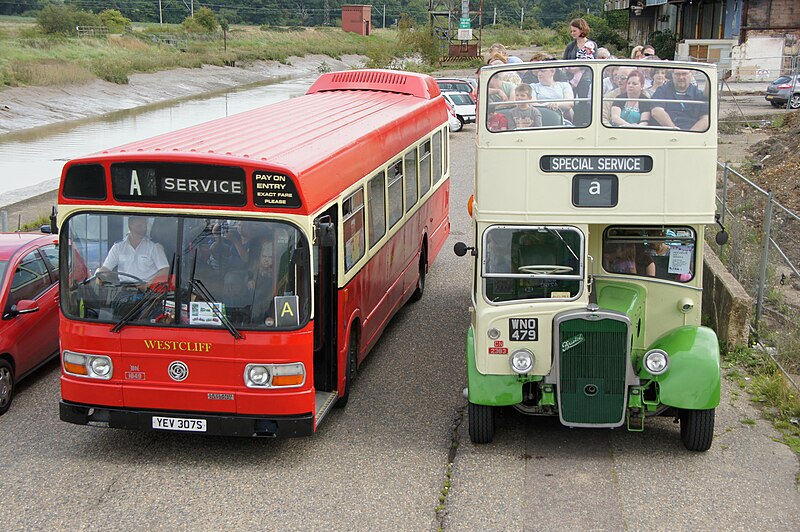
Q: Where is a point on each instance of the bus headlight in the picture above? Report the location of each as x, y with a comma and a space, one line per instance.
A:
521, 361
275, 375
256, 376
88, 366
656, 361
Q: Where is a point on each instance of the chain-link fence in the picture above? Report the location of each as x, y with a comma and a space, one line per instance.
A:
763, 253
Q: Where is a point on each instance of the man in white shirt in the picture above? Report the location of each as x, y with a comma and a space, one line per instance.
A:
137, 255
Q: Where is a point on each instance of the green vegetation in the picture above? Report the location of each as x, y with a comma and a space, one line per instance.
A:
768, 387
36, 224
29, 56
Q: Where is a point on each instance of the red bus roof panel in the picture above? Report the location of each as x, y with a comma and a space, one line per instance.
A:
325, 140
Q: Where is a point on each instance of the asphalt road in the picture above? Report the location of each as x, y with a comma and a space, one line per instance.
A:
382, 462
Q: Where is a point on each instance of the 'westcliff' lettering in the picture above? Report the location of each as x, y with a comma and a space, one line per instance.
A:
171, 345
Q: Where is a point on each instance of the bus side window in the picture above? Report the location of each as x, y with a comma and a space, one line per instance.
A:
437, 156
376, 204
424, 167
353, 228
395, 192
410, 160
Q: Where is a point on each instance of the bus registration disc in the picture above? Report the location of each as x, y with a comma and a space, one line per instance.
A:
178, 423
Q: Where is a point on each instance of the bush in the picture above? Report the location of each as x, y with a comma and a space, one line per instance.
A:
604, 35
664, 43
114, 20
204, 21
61, 19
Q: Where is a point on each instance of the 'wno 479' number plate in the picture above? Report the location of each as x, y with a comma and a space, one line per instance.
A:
178, 423
523, 329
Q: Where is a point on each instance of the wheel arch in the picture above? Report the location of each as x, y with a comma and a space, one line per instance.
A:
693, 379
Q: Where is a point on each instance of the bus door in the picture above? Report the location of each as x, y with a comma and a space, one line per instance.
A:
325, 302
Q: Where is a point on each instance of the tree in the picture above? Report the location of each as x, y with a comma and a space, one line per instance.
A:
204, 21
58, 18
114, 20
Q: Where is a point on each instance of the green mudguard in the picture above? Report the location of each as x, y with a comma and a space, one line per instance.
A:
490, 390
692, 381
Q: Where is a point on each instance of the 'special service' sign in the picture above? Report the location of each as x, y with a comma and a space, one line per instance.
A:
633, 164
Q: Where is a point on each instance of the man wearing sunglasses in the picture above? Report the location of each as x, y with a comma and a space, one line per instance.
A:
649, 51
683, 113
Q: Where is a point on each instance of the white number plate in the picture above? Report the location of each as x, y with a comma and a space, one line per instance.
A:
178, 423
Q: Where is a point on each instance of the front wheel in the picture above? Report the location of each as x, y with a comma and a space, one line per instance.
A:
794, 102
350, 369
6, 386
481, 423
697, 429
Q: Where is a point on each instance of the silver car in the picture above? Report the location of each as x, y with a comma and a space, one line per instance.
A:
783, 89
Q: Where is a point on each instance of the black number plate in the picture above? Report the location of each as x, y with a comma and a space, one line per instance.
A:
523, 329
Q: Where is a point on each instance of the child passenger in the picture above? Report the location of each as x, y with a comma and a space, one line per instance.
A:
524, 114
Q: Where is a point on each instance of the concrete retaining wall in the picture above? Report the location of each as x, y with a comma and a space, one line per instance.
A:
726, 305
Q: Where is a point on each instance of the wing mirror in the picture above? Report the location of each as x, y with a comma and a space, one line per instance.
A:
461, 249
23, 306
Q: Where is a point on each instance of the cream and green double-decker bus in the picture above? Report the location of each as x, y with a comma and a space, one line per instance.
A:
594, 182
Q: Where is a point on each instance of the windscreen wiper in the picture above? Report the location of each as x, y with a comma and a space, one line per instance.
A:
558, 234
197, 284
204, 292
148, 301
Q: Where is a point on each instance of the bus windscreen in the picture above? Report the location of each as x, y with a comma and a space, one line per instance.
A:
655, 97
190, 271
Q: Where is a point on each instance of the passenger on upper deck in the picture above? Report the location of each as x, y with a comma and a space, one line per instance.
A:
682, 113
550, 89
524, 115
621, 81
631, 109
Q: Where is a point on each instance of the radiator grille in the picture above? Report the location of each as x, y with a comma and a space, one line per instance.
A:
592, 368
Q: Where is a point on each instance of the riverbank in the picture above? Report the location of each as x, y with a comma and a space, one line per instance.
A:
24, 109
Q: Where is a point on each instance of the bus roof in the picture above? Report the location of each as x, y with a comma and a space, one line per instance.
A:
346, 125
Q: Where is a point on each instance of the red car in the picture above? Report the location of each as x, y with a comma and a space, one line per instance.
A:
29, 299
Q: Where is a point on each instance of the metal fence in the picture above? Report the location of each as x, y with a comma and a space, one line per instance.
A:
763, 253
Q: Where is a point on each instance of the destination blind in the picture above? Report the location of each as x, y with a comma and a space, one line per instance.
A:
633, 164
193, 184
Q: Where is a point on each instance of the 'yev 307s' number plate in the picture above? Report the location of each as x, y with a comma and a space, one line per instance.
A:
178, 423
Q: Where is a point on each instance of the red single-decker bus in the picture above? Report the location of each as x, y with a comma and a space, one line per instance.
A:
228, 278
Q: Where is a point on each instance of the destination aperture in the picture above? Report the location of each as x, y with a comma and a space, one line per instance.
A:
633, 164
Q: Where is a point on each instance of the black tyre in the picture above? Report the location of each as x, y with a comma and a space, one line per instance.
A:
697, 429
352, 366
481, 423
423, 268
794, 102
6, 386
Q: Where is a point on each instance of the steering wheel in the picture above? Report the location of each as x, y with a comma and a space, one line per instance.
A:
113, 278
544, 268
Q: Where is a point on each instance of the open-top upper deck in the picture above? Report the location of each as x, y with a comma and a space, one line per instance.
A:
616, 141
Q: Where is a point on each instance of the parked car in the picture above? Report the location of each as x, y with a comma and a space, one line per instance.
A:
467, 85
455, 124
784, 89
463, 104
29, 299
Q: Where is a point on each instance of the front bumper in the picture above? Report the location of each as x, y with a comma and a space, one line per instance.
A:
217, 424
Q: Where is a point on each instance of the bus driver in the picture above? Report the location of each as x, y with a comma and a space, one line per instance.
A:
136, 255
